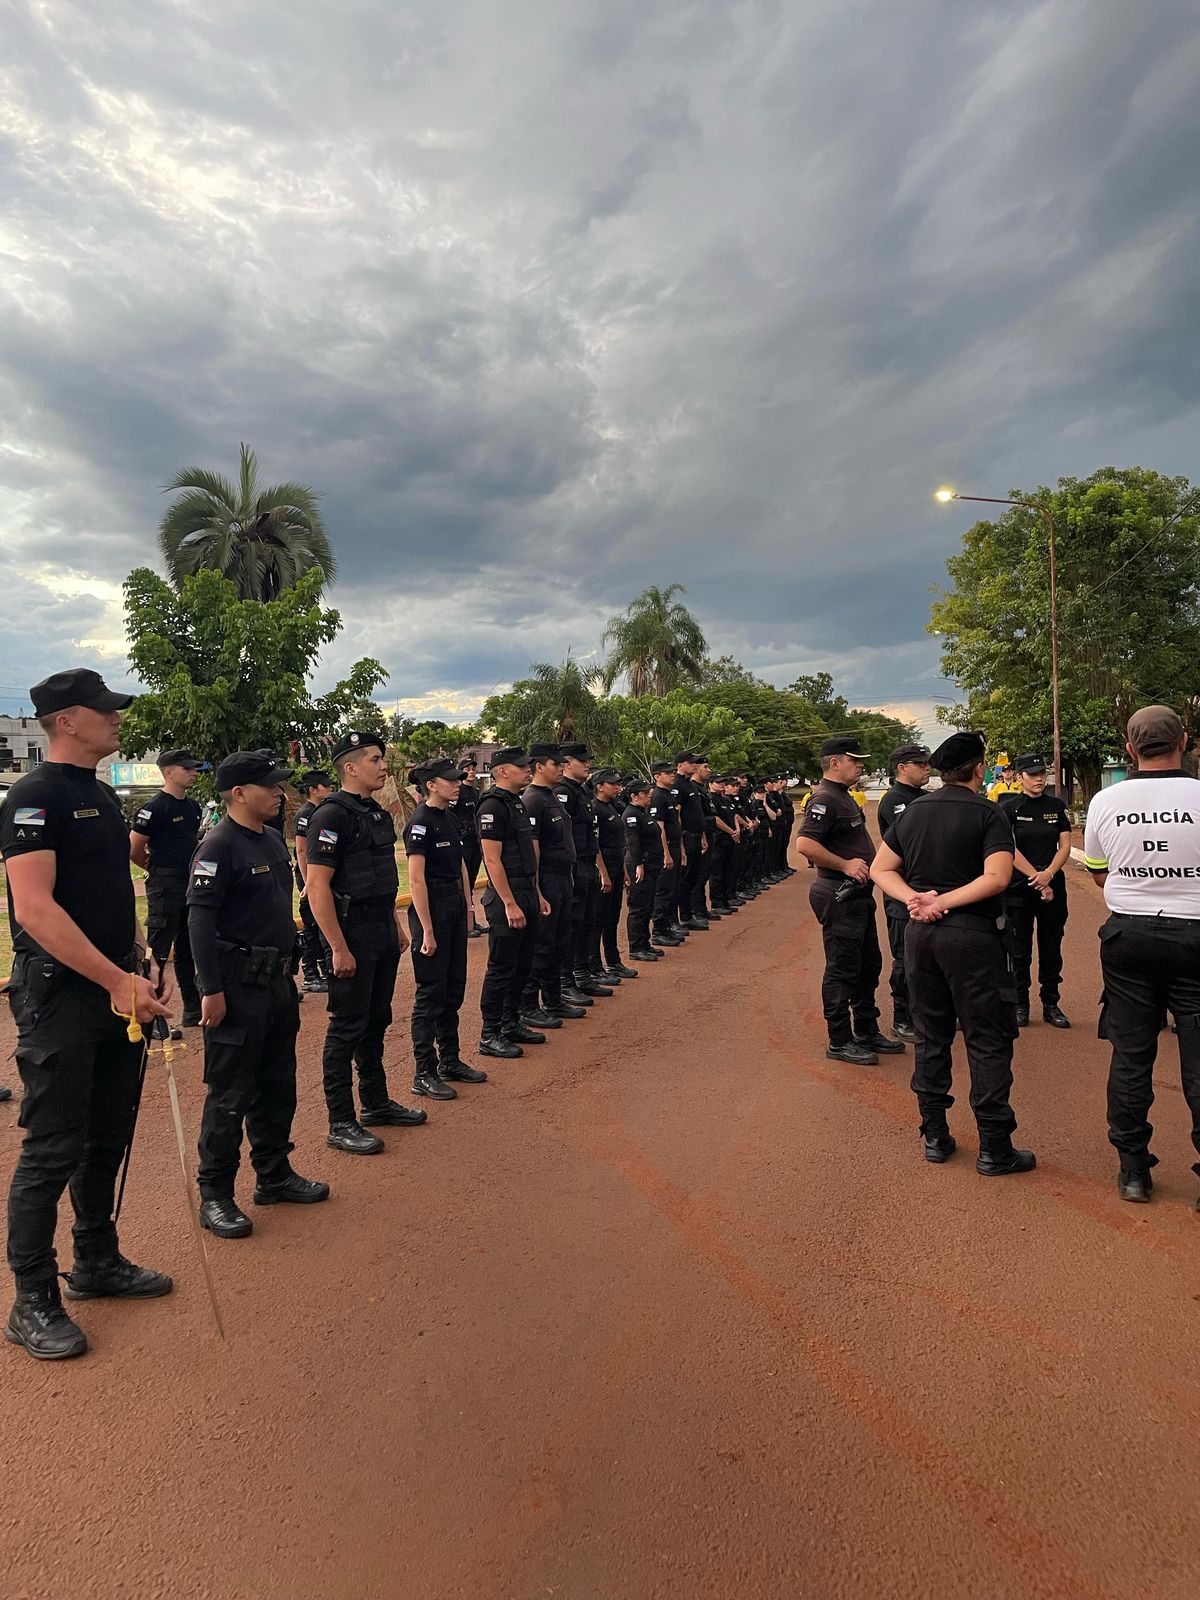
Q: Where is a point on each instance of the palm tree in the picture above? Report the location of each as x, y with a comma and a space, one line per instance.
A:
263, 540
657, 644
552, 703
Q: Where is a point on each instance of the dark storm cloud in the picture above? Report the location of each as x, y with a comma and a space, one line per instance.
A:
550, 303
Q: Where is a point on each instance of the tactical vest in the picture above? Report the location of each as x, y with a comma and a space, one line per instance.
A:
516, 848
367, 870
581, 809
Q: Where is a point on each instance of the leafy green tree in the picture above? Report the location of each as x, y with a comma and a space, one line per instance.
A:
1128, 548
726, 670
366, 717
786, 730
222, 673
880, 735
655, 644
429, 739
654, 729
263, 539
552, 703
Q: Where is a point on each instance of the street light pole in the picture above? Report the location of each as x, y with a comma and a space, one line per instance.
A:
945, 496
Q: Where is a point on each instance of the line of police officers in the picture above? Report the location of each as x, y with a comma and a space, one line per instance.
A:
560, 844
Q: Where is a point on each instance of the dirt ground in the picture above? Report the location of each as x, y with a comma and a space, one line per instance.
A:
670, 1308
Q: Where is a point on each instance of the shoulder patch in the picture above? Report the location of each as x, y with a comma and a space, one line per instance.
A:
205, 869
817, 810
417, 829
30, 817
327, 836
143, 815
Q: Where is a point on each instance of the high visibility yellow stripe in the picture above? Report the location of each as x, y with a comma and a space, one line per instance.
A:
1095, 866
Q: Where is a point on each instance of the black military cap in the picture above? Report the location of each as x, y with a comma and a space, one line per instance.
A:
685, 755
957, 751
701, 761
908, 752
575, 752
183, 758
511, 756
843, 744
314, 776
250, 766
442, 767
350, 743
468, 761
78, 687
1030, 763
545, 752
639, 785
606, 775
662, 766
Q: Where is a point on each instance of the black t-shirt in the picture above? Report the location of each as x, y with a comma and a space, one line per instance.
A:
463, 810
643, 839
725, 809
69, 811
612, 835
551, 827
303, 818
1036, 825
691, 807
944, 839
895, 803
664, 808
433, 832
834, 819
246, 879
171, 828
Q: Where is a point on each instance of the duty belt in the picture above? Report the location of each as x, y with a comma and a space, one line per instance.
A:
1158, 919
256, 965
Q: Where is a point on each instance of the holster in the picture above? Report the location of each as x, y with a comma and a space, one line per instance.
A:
255, 965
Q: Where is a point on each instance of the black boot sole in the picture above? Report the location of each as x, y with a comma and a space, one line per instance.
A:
45, 1355
99, 1294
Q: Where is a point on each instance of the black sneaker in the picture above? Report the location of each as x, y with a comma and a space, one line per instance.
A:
588, 987
495, 1044
457, 1071
115, 1279
665, 941
1005, 1163
880, 1043
695, 925
5, 1092
1055, 1016
191, 1019
540, 1018
617, 971
644, 955
354, 1139
853, 1053
1022, 1016
575, 997
679, 929
291, 1191
904, 1030
476, 932
561, 1009
391, 1114
224, 1217
39, 1324
518, 1033
1134, 1182
315, 986
430, 1083
600, 975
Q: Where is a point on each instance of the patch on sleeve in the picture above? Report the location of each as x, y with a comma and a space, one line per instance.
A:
631, 822
143, 815
485, 820
205, 869
417, 830
30, 817
327, 836
301, 824
818, 810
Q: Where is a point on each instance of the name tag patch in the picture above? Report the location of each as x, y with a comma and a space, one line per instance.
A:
89, 811
264, 866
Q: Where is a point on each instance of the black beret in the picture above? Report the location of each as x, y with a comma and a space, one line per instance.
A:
957, 751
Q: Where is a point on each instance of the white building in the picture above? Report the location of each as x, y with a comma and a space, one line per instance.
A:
22, 744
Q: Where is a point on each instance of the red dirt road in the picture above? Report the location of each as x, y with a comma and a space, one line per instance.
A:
670, 1308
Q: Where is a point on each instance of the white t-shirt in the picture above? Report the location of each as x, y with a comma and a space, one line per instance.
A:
1145, 833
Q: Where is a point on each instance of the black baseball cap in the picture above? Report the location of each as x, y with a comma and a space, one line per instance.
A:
442, 767
575, 752
662, 766
510, 756
250, 766
843, 744
909, 752
183, 758
606, 775
78, 687
545, 752
638, 785
351, 743
1030, 763
312, 778
685, 755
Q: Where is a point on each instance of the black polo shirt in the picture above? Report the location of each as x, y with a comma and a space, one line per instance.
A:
895, 803
436, 834
834, 819
691, 806
68, 811
551, 827
244, 879
664, 808
612, 834
171, 828
1037, 825
943, 842
643, 840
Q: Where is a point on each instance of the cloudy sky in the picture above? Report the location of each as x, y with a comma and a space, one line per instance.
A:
551, 299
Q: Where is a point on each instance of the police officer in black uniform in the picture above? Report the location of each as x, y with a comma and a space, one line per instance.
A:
76, 946
1037, 896
691, 822
643, 836
909, 765
949, 859
543, 1004
464, 809
664, 809
834, 838
702, 779
604, 952
316, 786
591, 875
352, 886
439, 917
244, 939
162, 840
512, 902
724, 847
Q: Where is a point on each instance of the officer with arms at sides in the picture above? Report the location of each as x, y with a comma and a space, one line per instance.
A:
909, 764
834, 838
316, 787
243, 937
664, 810
162, 840
512, 903
1037, 896
76, 949
463, 810
725, 897
695, 846
591, 875
352, 883
544, 1003
949, 859
441, 913
604, 951
643, 863
1142, 842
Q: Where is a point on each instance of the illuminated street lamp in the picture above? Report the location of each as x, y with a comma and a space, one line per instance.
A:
944, 495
